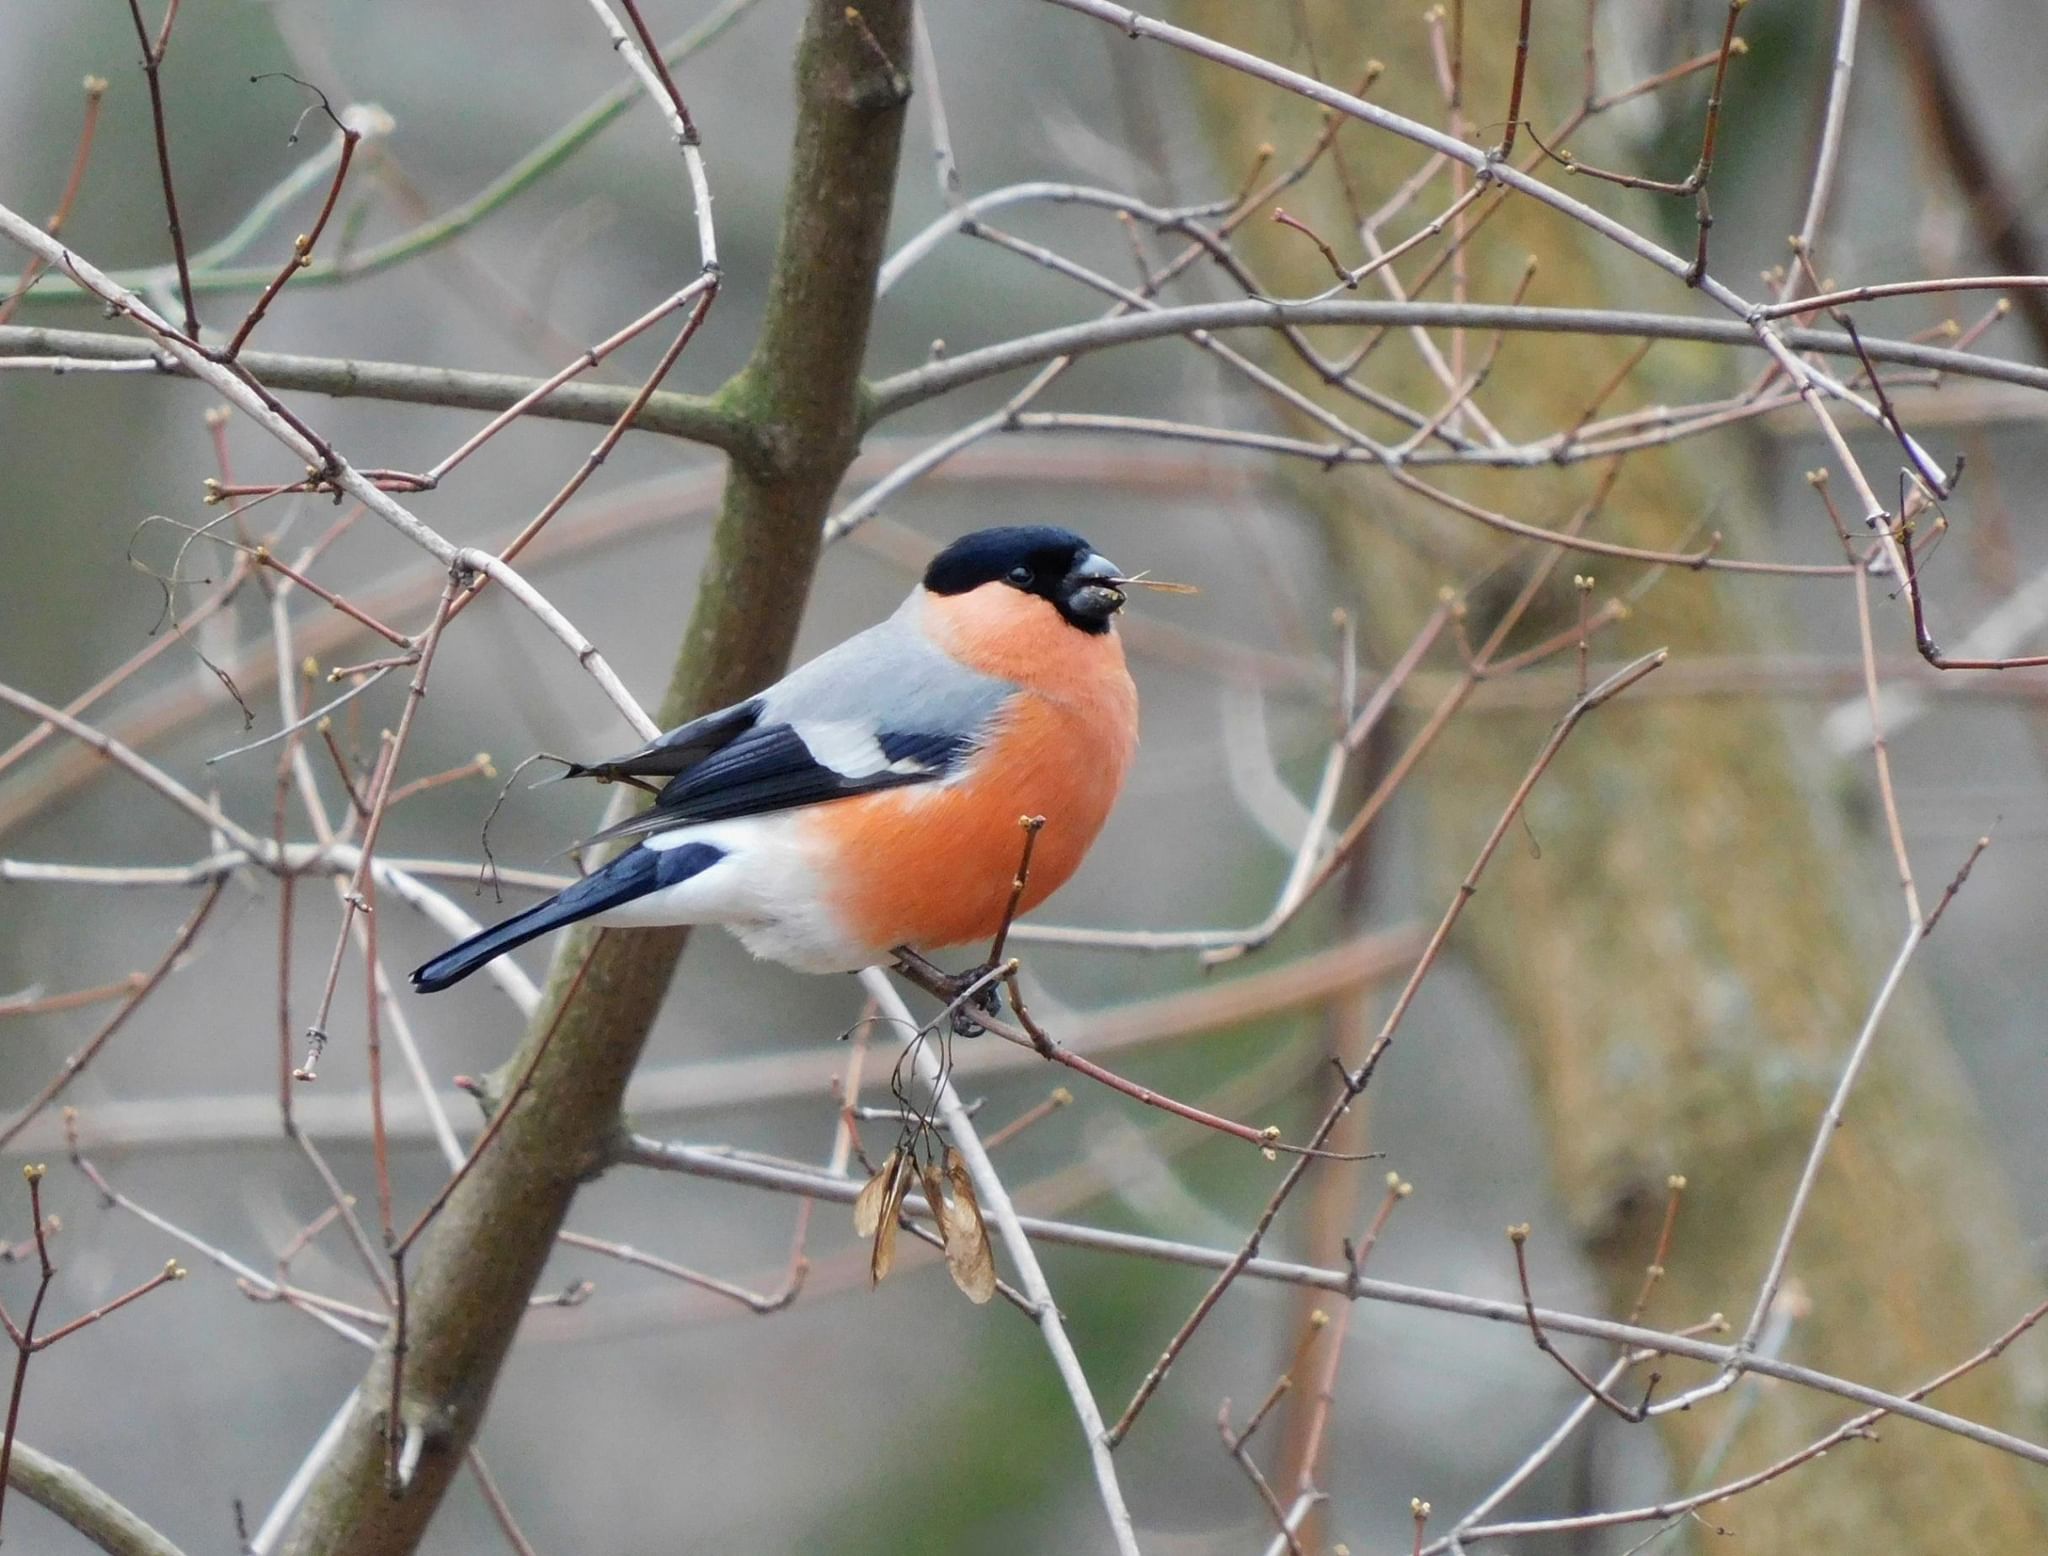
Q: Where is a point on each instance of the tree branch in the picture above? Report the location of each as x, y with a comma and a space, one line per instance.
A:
694, 417
60, 1489
919, 384
723, 1164
477, 1266
995, 1200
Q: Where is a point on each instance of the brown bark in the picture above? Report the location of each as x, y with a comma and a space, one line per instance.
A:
800, 397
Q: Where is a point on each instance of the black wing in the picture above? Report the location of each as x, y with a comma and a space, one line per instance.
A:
680, 749
773, 767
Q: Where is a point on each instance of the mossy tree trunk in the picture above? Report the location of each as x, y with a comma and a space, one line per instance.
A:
800, 396
1687, 959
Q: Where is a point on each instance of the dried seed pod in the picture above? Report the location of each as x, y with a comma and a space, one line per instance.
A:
969, 1258
867, 1206
928, 1180
883, 1259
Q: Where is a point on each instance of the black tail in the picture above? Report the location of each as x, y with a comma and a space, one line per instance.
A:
457, 963
633, 874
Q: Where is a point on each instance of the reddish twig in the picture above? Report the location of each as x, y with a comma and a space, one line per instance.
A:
602, 451
1037, 1113
501, 1108
36, 1004
478, 766
152, 69
181, 942
1315, 1433
325, 729
1506, 148
1237, 1444
302, 246
26, 1341
1634, 1414
263, 556
1322, 244
95, 95
1653, 1272
380, 800
23, 1335
1355, 1082
501, 1510
1955, 885
1029, 1034
373, 1043
1923, 639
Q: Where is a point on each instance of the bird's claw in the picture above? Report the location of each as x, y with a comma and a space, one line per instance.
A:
987, 999
959, 990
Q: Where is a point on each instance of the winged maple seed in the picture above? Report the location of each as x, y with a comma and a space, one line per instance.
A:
876, 1210
867, 1205
948, 1191
969, 1259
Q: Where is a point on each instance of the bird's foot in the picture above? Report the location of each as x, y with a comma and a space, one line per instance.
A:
977, 989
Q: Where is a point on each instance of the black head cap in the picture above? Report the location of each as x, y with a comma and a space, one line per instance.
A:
1040, 559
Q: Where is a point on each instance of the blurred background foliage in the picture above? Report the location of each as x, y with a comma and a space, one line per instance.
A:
1662, 975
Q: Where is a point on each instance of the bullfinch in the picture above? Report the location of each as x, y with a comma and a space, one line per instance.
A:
871, 799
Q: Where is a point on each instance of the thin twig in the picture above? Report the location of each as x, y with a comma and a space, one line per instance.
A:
148, 983
995, 1203
1355, 1081
302, 246
1634, 1414
152, 73
95, 95
793, 1179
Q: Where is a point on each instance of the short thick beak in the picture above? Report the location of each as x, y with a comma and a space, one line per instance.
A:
1091, 588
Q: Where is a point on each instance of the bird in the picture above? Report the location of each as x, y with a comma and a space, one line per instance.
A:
873, 801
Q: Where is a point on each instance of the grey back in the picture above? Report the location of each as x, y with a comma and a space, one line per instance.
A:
890, 677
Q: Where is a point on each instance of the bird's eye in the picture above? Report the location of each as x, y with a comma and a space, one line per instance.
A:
1021, 576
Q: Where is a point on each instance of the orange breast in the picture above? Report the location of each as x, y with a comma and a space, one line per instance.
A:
931, 866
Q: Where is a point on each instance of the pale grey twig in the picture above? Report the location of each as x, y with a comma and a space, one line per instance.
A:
684, 132
926, 69
916, 385
1830, 1123
501, 572
1830, 150
59, 366
963, 217
668, 413
1297, 1515
995, 1202
281, 1513
363, 684
1543, 1452
229, 383
709, 1162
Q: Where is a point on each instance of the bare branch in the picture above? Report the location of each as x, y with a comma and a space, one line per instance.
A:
916, 385
995, 1200
60, 1489
708, 1162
